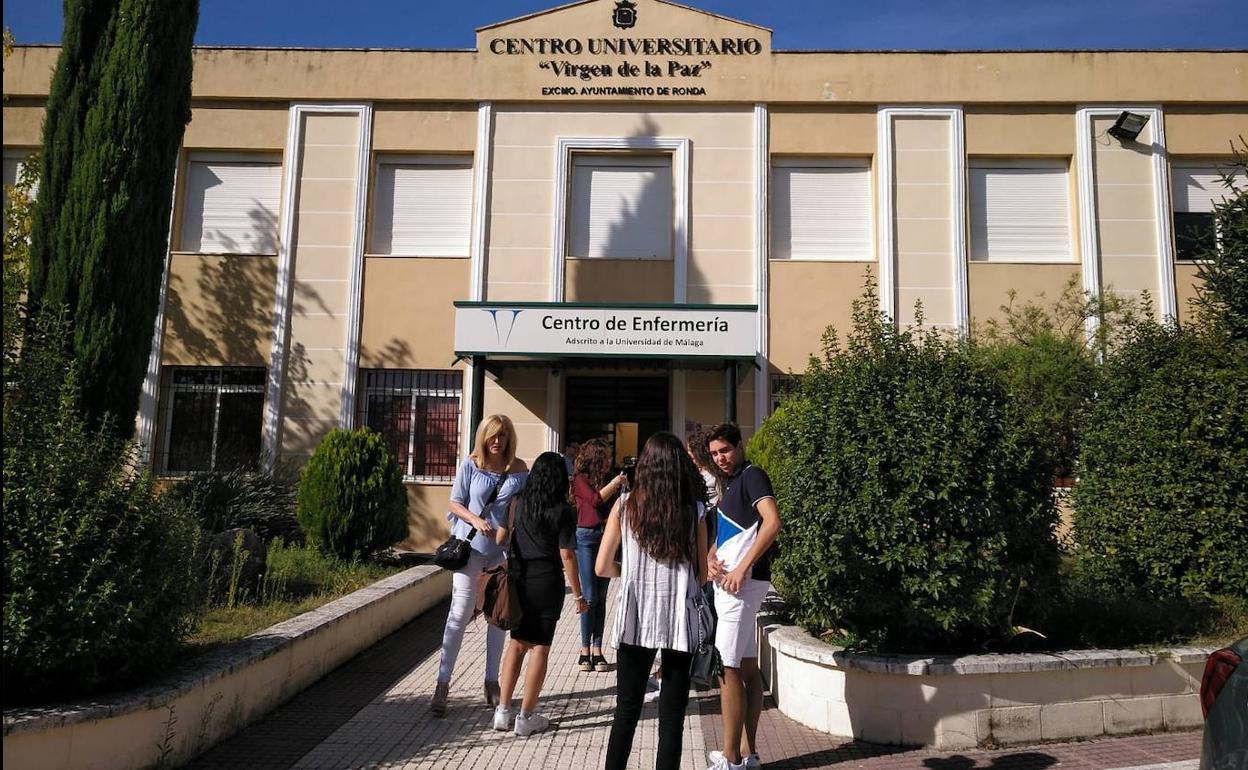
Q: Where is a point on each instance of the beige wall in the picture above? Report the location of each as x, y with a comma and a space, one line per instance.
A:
989, 287
1126, 218
618, 280
822, 130
1186, 283
427, 527
1204, 129
23, 122
219, 310
320, 301
923, 218
704, 397
721, 261
237, 126
520, 393
1012, 130
422, 127
805, 298
408, 311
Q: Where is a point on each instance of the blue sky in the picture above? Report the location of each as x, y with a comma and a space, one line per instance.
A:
797, 24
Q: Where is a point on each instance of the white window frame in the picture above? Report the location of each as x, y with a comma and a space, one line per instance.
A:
18, 157
167, 415
458, 161
1061, 165
677, 147
818, 162
1216, 165
270, 159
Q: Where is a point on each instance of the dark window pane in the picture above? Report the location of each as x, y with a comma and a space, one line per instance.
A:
191, 416
238, 431
198, 376
437, 436
250, 377
1193, 234
391, 416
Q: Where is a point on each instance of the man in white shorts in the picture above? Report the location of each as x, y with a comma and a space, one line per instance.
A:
746, 525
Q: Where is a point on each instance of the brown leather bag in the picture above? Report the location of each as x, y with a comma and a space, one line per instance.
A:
497, 597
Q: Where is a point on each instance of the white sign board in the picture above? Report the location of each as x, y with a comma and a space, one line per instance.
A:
539, 329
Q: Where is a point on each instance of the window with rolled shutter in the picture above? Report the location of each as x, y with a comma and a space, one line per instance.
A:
1020, 211
621, 207
231, 206
423, 207
1197, 189
821, 210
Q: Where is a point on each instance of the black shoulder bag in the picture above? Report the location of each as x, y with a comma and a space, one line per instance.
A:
453, 554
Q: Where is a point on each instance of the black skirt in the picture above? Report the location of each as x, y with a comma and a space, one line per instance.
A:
540, 587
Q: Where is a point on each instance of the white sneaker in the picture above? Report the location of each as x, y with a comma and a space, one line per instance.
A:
533, 723
719, 762
651, 696
503, 717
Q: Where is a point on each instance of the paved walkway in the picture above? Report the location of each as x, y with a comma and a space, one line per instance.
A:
373, 713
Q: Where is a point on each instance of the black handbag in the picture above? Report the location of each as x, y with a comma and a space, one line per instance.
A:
706, 666
453, 554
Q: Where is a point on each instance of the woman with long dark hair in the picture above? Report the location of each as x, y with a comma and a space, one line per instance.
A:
540, 528
659, 524
592, 491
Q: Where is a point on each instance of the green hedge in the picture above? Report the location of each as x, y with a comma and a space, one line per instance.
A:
917, 501
101, 572
1161, 503
351, 499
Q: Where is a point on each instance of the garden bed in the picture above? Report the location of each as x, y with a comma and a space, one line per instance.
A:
959, 702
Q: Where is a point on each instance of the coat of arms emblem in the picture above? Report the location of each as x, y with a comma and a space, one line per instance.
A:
625, 14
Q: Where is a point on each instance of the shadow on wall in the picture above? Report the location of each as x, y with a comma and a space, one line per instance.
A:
622, 272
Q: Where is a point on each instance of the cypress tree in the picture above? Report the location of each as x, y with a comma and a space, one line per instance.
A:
116, 112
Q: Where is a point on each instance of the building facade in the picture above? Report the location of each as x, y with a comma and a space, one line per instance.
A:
612, 218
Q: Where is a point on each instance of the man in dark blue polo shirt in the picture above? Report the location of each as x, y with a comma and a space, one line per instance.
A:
746, 524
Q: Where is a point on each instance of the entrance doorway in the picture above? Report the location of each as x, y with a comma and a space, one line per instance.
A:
623, 410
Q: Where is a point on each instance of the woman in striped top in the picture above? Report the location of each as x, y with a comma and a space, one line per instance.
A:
660, 526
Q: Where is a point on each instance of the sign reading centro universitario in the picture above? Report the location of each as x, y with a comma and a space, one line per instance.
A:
602, 58
556, 329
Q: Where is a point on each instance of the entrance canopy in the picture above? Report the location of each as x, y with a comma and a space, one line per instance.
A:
562, 330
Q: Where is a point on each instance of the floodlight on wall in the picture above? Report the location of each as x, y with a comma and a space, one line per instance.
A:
1128, 126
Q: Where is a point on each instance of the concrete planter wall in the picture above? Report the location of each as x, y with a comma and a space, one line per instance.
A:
963, 702
224, 692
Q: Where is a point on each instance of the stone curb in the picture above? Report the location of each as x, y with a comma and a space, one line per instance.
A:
203, 671
796, 642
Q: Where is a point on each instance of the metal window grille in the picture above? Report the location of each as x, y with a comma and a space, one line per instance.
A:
417, 411
211, 418
782, 386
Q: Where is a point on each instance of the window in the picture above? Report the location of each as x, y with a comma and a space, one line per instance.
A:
212, 418
1197, 188
782, 386
14, 162
417, 411
231, 206
1020, 211
621, 207
821, 209
423, 207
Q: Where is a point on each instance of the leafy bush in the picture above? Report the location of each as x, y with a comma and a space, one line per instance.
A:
763, 448
101, 575
1048, 364
351, 498
1161, 503
263, 502
1223, 271
917, 504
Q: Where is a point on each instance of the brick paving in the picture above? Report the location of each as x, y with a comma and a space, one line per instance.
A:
373, 713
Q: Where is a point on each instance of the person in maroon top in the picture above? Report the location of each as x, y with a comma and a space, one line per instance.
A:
593, 493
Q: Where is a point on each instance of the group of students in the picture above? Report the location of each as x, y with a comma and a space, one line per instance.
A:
558, 529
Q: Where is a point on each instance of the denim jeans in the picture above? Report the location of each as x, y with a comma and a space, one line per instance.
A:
593, 588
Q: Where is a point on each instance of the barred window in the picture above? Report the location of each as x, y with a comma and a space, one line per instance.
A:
417, 411
782, 385
211, 418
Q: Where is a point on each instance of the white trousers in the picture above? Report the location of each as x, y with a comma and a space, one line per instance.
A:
463, 601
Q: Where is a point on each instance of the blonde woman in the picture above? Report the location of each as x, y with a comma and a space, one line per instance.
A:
484, 485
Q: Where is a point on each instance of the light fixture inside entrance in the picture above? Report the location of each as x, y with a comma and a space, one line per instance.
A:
1128, 126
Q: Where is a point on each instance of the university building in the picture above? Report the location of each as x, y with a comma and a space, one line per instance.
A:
612, 218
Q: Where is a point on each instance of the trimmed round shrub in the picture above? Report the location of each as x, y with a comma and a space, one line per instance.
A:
101, 572
1161, 500
916, 502
351, 498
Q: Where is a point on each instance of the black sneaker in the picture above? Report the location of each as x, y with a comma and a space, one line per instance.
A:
585, 662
